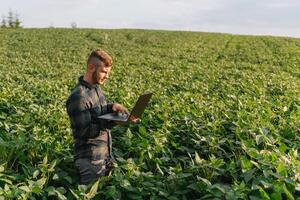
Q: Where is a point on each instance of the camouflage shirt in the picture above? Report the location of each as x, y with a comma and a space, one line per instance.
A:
92, 136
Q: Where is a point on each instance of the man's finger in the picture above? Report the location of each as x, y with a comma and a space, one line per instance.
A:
135, 119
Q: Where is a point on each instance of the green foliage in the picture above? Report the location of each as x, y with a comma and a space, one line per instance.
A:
223, 122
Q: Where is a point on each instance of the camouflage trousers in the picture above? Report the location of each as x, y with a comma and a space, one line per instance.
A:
90, 170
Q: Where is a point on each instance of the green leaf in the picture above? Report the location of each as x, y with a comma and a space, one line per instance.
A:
266, 184
254, 197
74, 193
82, 188
61, 190
163, 193
288, 193
184, 175
289, 181
259, 139
194, 186
41, 181
121, 160
6, 181
68, 179
25, 188
60, 196
280, 169
36, 189
55, 177
198, 160
111, 192
36, 173
264, 130
126, 184
159, 169
263, 194
134, 196
276, 196
246, 164
52, 165
219, 187
248, 175
45, 160
2, 168
129, 134
207, 182
283, 148
93, 190
142, 131
50, 190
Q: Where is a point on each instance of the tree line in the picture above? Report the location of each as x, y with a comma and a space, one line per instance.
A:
11, 21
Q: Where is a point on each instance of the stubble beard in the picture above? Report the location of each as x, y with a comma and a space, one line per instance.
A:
96, 80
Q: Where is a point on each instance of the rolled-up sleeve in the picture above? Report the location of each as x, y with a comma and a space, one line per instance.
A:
107, 108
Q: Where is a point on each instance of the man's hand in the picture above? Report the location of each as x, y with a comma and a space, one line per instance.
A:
134, 119
119, 108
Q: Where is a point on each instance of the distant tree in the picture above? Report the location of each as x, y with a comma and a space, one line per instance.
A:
10, 19
73, 25
3, 22
17, 21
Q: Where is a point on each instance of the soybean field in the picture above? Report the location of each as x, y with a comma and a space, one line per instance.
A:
223, 122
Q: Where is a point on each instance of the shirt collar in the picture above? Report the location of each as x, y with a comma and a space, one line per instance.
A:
85, 83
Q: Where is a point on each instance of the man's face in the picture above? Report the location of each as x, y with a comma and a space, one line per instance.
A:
100, 74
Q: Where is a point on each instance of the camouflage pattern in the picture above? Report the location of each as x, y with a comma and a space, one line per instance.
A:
92, 136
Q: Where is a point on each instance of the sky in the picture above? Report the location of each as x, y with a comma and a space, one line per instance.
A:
251, 17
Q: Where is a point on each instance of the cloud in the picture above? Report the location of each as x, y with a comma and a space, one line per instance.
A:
278, 4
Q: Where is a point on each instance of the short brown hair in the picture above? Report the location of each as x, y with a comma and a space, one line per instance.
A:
102, 56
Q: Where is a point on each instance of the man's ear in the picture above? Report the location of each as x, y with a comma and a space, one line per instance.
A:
91, 67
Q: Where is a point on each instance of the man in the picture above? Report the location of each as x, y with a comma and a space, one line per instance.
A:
93, 143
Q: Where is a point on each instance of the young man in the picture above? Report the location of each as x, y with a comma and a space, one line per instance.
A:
93, 146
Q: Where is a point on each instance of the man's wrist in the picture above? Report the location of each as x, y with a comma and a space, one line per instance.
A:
110, 107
